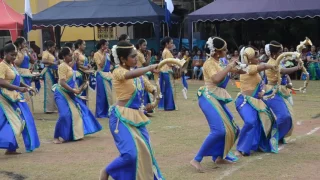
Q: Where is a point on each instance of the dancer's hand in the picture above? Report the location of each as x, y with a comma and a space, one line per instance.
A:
76, 91
153, 68
232, 64
261, 94
33, 92
148, 107
23, 89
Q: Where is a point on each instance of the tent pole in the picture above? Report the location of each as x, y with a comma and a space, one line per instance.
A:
163, 26
94, 37
194, 9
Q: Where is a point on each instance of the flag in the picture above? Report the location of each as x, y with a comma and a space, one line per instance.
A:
168, 11
27, 16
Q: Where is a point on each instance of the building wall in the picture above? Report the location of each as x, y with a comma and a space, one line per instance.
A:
69, 33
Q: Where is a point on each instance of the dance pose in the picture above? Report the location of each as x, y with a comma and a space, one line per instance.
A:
23, 62
279, 104
212, 98
167, 82
260, 128
15, 115
184, 55
73, 63
75, 119
128, 122
83, 66
104, 80
143, 61
49, 76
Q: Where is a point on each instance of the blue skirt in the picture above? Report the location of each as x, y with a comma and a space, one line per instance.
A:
103, 96
29, 133
217, 144
281, 109
75, 119
135, 149
252, 135
167, 102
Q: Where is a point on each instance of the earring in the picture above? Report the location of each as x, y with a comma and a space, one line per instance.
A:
218, 55
124, 64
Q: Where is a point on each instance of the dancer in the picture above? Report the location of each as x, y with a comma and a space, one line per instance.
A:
212, 100
73, 63
260, 129
83, 66
75, 119
124, 37
128, 123
114, 61
23, 61
49, 76
104, 80
15, 115
279, 104
184, 55
167, 82
143, 61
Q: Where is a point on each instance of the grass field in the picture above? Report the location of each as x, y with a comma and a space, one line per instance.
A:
176, 137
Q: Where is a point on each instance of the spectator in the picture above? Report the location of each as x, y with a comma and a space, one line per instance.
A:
197, 65
313, 60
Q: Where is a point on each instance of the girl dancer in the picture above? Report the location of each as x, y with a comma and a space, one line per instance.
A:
104, 78
49, 76
75, 119
128, 122
260, 129
142, 62
279, 104
82, 65
23, 61
212, 100
15, 115
167, 82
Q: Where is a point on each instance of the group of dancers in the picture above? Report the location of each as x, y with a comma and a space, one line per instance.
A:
123, 94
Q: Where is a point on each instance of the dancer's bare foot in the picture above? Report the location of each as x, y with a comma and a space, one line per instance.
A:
238, 154
219, 160
103, 175
197, 165
12, 152
57, 141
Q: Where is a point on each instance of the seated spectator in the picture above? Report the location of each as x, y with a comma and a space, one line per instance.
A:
197, 63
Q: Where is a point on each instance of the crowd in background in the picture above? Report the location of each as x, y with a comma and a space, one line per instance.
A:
197, 57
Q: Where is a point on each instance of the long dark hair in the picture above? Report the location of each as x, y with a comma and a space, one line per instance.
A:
101, 43
19, 41
123, 37
64, 52
78, 43
140, 42
274, 47
48, 44
9, 48
123, 52
165, 41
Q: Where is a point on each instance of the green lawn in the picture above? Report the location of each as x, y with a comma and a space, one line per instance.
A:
176, 137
